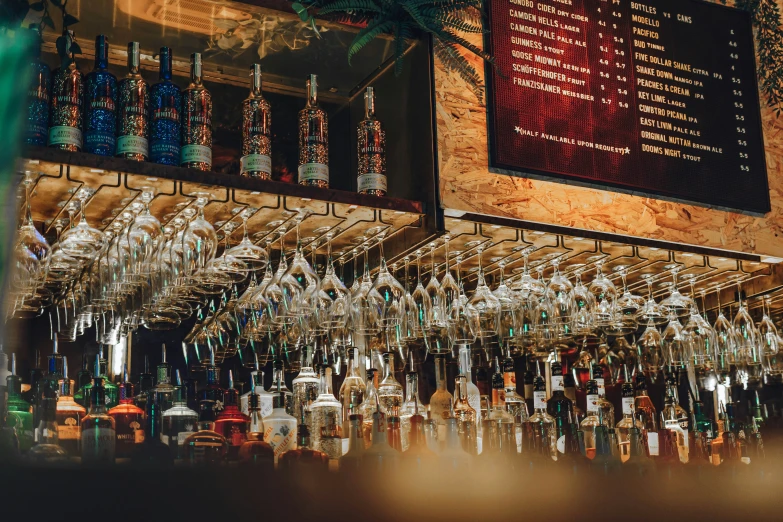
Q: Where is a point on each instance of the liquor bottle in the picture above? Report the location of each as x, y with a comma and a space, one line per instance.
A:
83, 377
670, 420
196, 141
152, 450
313, 140
255, 451
465, 416
393, 432
278, 385
498, 411
65, 112
230, 422
569, 455
306, 387
528, 383
257, 387
418, 456
325, 412
47, 448
390, 393
603, 459
302, 454
515, 403
353, 458
440, 402
280, 427
165, 99
367, 407
69, 415
37, 127
54, 373
593, 418
205, 447
353, 389
474, 395
629, 419
410, 407
163, 392
646, 414
110, 390
606, 408
569, 389
453, 456
380, 456
19, 413
146, 383
98, 437
638, 461
36, 374
702, 423
256, 160
371, 144
541, 420
129, 420
100, 115
178, 422
558, 404
133, 115
681, 415
212, 396
483, 385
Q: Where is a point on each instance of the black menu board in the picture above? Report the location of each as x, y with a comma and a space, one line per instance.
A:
657, 97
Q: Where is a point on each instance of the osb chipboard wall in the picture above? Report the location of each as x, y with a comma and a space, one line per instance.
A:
467, 185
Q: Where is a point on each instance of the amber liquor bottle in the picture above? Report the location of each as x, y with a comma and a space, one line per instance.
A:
196, 149
371, 144
69, 415
256, 160
128, 420
133, 118
313, 140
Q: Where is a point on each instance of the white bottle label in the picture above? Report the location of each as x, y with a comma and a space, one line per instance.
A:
313, 172
592, 403
255, 163
98, 445
601, 387
557, 383
627, 405
281, 436
64, 135
652, 443
682, 439
266, 405
195, 154
133, 145
182, 435
561, 444
539, 400
372, 181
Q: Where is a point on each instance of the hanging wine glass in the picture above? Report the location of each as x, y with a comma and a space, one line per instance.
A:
560, 294
677, 351
82, 241
438, 339
725, 341
676, 302
448, 284
543, 324
627, 307
604, 293
255, 258
299, 279
409, 331
700, 334
365, 304
768, 332
651, 311
273, 293
422, 302
463, 319
486, 305
338, 311
508, 329
584, 303
529, 292
388, 290
750, 352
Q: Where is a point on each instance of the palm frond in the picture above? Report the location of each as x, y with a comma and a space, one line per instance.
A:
453, 61
402, 34
368, 34
349, 6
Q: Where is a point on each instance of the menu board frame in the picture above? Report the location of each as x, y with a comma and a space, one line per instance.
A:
759, 207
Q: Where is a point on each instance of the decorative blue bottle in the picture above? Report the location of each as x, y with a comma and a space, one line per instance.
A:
100, 116
164, 115
37, 130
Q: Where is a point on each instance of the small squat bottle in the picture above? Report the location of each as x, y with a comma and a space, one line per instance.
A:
371, 144
256, 160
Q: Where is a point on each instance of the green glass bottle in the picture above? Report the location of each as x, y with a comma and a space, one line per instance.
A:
111, 390
19, 411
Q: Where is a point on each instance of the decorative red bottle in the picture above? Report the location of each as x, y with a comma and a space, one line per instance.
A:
231, 422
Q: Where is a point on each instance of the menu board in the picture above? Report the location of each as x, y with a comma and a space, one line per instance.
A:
657, 97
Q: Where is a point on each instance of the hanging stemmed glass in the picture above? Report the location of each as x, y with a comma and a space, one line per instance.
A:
201, 238
463, 319
605, 294
389, 290
448, 284
32, 254
543, 325
338, 310
584, 302
300, 280
627, 307
486, 305
651, 311
700, 334
438, 338
676, 302
409, 330
529, 292
725, 341
767, 331
422, 303
365, 306
82, 241
255, 257
750, 353
508, 316
560, 294
273, 293
677, 351
143, 235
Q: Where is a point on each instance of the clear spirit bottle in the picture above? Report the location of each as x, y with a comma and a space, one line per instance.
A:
543, 423
230, 422
196, 148
313, 140
47, 449
393, 435
278, 385
412, 406
19, 412
66, 116
69, 415
440, 402
628, 420
165, 99
498, 412
39, 93
380, 456
178, 422
257, 387
418, 456
453, 457
606, 407
163, 392
353, 458
465, 416
255, 451
325, 412
98, 438
133, 114
371, 144
280, 427
146, 383
390, 394
592, 420
670, 420
515, 403
646, 414
352, 390
256, 160
474, 395
306, 388
671, 389
129, 420
368, 407
100, 115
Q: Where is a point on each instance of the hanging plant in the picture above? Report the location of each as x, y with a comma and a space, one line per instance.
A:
403, 19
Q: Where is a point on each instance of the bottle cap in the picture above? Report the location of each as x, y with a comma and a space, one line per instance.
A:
134, 56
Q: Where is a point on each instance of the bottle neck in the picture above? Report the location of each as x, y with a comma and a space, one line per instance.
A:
312, 91
355, 438
369, 104
255, 80
440, 373
256, 421
164, 72
388, 370
213, 376
101, 53
164, 374
277, 378
378, 429
47, 432
464, 363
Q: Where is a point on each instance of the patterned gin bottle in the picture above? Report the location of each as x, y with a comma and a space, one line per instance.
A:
313, 140
38, 99
133, 117
100, 117
256, 161
164, 115
65, 112
371, 142
196, 150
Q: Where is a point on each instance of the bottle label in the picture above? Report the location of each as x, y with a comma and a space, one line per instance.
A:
561, 444
195, 154
510, 380
104, 103
97, 140
313, 172
166, 113
592, 403
628, 406
557, 383
255, 163
281, 437
166, 152
133, 145
65, 135
266, 405
98, 445
539, 400
652, 444
182, 435
372, 181
70, 430
601, 387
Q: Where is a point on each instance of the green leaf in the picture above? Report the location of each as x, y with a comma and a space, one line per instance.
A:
367, 35
70, 20
301, 10
75, 49
314, 27
47, 21
350, 5
37, 6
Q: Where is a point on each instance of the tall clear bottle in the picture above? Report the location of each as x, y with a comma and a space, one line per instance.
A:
196, 114
326, 411
368, 407
352, 390
133, 111
515, 403
178, 422
256, 387
100, 115
440, 402
306, 388
256, 160
542, 421
313, 140
98, 436
371, 145
390, 392
37, 125
646, 414
474, 395
606, 407
593, 419
66, 116
280, 427
629, 419
69, 415
165, 100
466, 416
163, 392
411, 406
